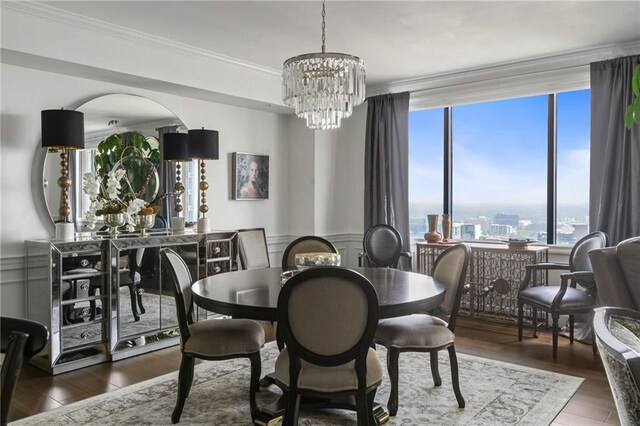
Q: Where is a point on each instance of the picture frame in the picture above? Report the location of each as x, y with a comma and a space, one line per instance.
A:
250, 179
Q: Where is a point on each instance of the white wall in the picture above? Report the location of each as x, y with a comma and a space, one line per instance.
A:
25, 92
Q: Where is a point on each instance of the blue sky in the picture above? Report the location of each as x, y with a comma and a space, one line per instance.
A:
500, 151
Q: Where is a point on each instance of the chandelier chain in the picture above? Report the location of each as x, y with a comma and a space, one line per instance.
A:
324, 14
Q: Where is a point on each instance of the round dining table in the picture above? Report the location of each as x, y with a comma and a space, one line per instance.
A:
253, 294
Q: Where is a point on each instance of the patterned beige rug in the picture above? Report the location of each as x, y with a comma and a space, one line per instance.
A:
496, 393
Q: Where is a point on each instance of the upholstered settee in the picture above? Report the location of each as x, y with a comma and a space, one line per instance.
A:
617, 274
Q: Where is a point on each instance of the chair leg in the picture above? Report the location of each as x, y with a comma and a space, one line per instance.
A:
520, 320
554, 329
185, 378
254, 385
371, 398
594, 346
139, 297
433, 357
293, 409
572, 322
535, 322
454, 376
361, 408
392, 368
134, 307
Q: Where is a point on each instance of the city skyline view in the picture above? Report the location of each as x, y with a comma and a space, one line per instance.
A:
500, 162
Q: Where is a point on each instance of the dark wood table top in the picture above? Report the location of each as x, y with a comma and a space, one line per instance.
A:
254, 293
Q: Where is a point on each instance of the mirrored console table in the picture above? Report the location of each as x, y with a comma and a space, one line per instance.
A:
106, 298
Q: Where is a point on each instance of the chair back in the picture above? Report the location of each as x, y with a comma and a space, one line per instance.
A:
306, 244
616, 269
252, 248
20, 340
382, 245
450, 268
328, 316
579, 256
180, 277
617, 333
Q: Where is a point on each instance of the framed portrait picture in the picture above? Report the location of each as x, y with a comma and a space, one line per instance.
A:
250, 176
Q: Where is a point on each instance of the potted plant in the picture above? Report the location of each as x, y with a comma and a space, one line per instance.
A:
124, 185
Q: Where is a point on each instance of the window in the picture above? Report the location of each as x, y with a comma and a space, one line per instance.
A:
426, 161
502, 177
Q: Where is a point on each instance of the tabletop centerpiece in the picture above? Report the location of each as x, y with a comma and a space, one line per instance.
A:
124, 186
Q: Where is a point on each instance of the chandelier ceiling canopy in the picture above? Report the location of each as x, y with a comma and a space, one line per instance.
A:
323, 87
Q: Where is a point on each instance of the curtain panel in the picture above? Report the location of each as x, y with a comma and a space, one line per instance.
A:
614, 201
386, 168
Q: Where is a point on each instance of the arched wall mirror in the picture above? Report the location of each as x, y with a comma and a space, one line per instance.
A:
104, 116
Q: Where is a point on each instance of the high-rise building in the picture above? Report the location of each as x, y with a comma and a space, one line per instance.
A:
506, 219
470, 231
501, 230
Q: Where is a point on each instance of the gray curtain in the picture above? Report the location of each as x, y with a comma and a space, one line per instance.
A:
615, 151
386, 167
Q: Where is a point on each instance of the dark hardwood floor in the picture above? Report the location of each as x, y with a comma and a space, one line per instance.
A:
592, 404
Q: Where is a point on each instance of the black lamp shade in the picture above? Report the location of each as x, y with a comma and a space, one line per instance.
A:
203, 144
62, 128
175, 147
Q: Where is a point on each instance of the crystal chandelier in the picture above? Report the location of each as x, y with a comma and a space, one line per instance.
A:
323, 87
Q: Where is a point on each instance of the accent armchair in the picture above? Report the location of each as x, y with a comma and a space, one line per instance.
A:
617, 273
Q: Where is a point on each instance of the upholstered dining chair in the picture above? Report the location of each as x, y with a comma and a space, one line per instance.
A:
20, 340
429, 333
617, 333
252, 248
213, 339
382, 247
306, 244
564, 299
616, 270
327, 317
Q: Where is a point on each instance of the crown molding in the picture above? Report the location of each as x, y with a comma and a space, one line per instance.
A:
566, 62
51, 13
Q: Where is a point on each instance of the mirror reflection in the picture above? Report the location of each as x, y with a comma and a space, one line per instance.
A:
105, 116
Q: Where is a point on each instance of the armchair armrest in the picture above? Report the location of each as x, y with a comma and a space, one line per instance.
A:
584, 278
546, 266
409, 256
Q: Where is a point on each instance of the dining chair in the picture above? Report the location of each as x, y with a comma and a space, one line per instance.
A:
20, 340
306, 244
382, 247
252, 248
428, 333
212, 339
617, 332
327, 317
564, 299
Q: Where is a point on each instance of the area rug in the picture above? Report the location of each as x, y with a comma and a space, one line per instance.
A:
496, 393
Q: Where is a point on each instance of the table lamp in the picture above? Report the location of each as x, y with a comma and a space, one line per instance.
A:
175, 148
203, 145
63, 130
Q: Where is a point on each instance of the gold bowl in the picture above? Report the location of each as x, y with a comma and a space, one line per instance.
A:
114, 220
143, 222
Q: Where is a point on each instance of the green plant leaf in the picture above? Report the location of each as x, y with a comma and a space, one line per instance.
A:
628, 117
635, 81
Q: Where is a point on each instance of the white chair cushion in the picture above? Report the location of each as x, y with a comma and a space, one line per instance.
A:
413, 332
329, 379
224, 337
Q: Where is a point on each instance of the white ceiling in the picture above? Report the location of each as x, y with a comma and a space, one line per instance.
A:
397, 40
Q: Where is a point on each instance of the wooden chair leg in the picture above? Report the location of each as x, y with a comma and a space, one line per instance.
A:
371, 398
433, 357
254, 385
520, 320
185, 378
134, 307
361, 408
139, 297
554, 329
392, 368
293, 409
572, 322
534, 311
594, 345
454, 376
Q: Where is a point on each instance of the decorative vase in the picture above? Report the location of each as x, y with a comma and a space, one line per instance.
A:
432, 236
114, 220
446, 227
144, 222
